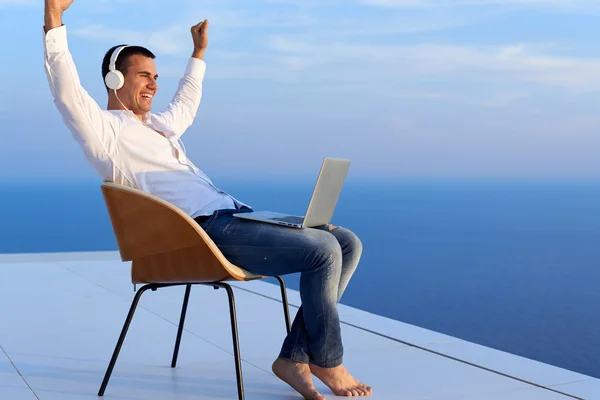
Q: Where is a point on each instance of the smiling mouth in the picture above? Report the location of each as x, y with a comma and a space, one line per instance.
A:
147, 96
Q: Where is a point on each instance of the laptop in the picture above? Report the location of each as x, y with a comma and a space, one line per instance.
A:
322, 203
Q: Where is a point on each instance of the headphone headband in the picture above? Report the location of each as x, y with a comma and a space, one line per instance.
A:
113, 59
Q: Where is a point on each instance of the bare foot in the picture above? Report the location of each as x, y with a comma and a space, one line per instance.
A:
298, 376
339, 380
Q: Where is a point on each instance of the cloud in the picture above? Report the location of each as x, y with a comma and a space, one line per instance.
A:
428, 5
348, 62
6, 3
239, 18
170, 40
563, 5
497, 74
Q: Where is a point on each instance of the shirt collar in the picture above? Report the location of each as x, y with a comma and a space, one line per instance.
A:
146, 118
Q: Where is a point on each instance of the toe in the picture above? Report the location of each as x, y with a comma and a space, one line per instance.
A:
318, 396
366, 389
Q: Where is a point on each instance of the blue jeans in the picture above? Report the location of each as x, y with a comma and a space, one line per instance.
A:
326, 260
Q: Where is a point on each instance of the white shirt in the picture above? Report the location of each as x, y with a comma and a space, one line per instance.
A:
124, 150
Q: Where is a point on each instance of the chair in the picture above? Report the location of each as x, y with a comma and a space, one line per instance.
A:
168, 248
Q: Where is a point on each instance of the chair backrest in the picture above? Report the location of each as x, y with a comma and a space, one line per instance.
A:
156, 235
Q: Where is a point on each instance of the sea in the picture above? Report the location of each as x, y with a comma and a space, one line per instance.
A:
512, 265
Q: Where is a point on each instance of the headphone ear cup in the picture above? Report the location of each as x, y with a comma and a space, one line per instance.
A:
114, 80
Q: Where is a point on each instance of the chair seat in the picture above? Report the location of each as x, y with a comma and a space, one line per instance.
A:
185, 265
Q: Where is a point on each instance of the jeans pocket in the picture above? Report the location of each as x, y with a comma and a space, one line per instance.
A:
207, 224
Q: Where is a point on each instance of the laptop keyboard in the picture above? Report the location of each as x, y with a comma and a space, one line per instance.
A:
290, 219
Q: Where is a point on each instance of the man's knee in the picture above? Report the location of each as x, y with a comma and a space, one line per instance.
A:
348, 240
355, 243
325, 250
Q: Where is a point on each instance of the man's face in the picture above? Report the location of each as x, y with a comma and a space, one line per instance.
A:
140, 84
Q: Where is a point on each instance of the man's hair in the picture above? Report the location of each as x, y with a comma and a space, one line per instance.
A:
123, 60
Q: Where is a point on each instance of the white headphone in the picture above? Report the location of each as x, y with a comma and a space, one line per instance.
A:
114, 79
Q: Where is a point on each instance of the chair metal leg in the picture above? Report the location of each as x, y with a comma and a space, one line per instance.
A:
113, 360
234, 330
181, 322
234, 334
286, 308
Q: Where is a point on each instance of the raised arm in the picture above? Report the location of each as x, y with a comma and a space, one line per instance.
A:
91, 127
180, 114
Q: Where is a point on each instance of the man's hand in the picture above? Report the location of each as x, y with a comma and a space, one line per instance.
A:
53, 12
200, 36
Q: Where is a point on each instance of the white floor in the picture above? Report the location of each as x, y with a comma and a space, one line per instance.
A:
62, 314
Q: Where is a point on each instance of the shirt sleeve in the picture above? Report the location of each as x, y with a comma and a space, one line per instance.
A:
91, 127
181, 112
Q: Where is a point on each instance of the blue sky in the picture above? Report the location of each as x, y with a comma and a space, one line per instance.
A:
405, 88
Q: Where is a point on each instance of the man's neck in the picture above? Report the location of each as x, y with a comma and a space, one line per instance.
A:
116, 105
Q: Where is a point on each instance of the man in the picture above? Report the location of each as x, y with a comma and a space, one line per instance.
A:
130, 145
